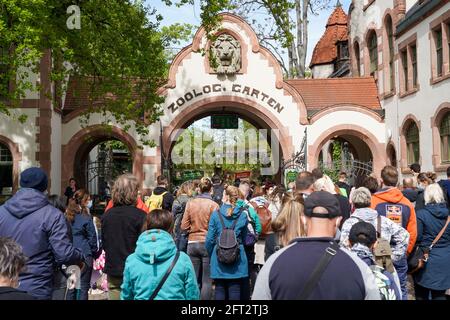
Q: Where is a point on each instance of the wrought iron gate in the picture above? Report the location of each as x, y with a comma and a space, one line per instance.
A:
355, 169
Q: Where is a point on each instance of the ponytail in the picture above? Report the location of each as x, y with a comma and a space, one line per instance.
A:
234, 194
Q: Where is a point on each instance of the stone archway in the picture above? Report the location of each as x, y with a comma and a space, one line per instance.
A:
76, 150
245, 108
376, 148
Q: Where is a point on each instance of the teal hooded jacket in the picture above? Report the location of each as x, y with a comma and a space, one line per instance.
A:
145, 268
240, 268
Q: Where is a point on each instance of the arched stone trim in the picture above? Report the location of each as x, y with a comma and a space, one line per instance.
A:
353, 59
185, 53
87, 138
244, 107
403, 148
17, 156
244, 49
366, 53
391, 145
387, 90
298, 99
377, 148
436, 120
228, 17
346, 107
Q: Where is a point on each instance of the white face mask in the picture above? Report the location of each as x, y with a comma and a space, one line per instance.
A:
89, 204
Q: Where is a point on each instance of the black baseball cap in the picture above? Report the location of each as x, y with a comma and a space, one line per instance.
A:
364, 233
325, 200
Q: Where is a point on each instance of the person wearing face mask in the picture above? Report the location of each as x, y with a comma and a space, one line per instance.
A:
424, 179
84, 238
41, 230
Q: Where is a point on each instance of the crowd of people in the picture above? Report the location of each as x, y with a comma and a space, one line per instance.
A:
313, 239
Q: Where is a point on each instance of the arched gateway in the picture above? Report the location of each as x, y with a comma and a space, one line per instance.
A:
245, 79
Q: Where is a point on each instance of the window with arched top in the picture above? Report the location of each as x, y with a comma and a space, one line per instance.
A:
6, 171
390, 37
412, 143
444, 132
357, 58
373, 52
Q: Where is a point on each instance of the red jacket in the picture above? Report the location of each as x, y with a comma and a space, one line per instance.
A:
392, 204
140, 205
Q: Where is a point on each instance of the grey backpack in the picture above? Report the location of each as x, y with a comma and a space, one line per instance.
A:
228, 251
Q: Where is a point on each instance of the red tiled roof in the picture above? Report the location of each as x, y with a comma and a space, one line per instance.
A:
78, 92
81, 92
323, 93
336, 30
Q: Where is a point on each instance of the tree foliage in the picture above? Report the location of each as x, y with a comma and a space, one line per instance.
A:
283, 28
119, 54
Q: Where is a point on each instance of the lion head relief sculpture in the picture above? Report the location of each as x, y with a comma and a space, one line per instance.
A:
226, 55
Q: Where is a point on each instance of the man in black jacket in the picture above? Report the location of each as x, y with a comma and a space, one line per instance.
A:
161, 188
217, 189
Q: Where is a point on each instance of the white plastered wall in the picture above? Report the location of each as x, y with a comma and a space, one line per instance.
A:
22, 134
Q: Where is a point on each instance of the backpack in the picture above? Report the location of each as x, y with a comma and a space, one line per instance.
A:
179, 236
265, 217
228, 251
155, 201
383, 251
252, 237
217, 195
383, 283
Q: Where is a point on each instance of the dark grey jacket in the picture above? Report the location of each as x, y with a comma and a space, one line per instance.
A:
286, 272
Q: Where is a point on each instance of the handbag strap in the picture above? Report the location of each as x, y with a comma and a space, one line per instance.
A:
163, 280
440, 233
328, 255
379, 226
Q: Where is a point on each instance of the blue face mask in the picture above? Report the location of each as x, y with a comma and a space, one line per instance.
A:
89, 204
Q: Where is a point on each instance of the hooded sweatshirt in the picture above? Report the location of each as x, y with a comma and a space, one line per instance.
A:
41, 230
240, 268
397, 236
391, 203
145, 268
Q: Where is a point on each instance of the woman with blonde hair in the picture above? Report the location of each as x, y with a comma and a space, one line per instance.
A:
287, 225
228, 277
326, 184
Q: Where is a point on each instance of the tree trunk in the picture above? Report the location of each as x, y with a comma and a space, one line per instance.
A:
301, 10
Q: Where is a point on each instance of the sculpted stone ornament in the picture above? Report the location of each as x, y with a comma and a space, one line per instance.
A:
226, 55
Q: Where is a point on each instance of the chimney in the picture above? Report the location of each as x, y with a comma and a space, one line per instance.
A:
400, 9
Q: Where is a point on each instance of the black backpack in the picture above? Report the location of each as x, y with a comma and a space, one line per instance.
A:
228, 251
181, 238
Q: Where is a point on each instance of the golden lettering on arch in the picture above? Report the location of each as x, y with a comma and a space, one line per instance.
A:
236, 88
